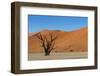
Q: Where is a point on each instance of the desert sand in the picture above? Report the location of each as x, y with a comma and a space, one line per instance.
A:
58, 56
72, 41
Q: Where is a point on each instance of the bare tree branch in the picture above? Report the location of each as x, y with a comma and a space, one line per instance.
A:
47, 43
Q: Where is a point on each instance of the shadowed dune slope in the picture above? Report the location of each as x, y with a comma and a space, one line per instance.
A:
72, 41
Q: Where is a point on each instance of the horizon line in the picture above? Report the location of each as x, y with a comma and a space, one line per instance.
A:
59, 30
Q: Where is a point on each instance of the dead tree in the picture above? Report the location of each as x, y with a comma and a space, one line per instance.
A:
48, 43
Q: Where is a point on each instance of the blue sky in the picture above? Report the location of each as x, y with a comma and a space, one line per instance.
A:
37, 23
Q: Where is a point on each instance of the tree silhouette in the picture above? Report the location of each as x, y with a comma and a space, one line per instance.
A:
48, 43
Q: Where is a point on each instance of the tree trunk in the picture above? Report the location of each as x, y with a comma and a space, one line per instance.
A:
47, 53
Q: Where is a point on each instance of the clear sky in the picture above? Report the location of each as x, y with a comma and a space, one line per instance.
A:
37, 23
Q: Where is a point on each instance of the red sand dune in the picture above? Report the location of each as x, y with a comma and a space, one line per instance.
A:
67, 41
